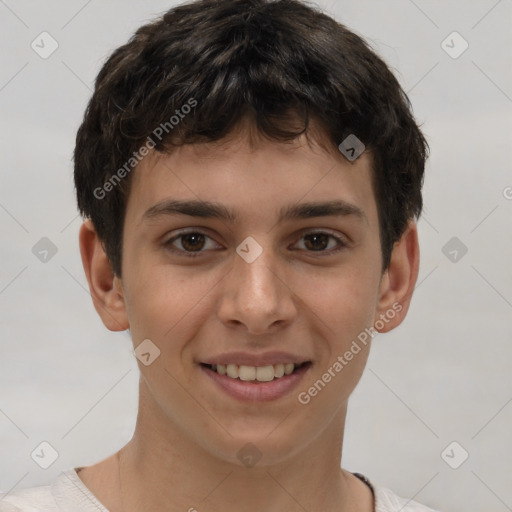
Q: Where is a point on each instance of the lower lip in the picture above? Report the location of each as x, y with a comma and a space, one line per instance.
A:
247, 391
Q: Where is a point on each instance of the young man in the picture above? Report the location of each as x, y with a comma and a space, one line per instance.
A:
250, 173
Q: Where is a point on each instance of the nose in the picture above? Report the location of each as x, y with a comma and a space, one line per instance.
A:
256, 297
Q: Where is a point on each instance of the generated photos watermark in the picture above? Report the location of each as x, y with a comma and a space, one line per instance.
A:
363, 337
137, 156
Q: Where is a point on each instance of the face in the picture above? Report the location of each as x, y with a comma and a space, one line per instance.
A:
249, 275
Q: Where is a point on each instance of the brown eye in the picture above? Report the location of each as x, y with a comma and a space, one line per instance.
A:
317, 241
191, 243
322, 242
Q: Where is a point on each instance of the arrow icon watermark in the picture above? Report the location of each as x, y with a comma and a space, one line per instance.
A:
351, 147
44, 250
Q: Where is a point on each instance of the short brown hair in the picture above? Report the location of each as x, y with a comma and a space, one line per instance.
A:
227, 59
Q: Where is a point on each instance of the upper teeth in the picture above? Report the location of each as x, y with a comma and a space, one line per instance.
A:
259, 373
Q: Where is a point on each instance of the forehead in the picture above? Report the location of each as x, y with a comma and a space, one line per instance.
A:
252, 176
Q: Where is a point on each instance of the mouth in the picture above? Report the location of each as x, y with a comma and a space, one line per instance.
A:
266, 373
251, 384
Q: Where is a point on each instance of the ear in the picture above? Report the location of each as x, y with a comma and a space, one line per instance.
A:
398, 281
106, 288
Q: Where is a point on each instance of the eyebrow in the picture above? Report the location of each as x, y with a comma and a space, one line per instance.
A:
212, 210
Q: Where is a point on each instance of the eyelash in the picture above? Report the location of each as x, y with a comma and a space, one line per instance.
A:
342, 244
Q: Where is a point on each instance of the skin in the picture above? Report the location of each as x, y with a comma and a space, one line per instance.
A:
183, 454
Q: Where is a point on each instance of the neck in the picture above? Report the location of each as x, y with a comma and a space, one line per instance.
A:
162, 469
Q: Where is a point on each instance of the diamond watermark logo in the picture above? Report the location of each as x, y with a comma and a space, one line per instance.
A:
44, 45
454, 249
249, 250
249, 455
44, 250
454, 455
454, 45
146, 352
351, 147
44, 455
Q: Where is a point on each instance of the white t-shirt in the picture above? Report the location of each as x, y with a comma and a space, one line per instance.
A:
67, 493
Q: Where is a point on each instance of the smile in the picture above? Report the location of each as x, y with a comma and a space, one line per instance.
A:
265, 373
256, 383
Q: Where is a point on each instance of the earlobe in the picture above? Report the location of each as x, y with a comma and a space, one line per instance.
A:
106, 288
398, 281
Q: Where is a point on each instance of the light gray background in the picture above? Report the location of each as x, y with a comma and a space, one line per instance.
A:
443, 376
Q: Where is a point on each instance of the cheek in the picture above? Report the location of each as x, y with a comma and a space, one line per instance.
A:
344, 306
343, 299
164, 300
